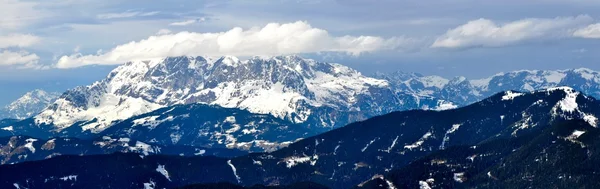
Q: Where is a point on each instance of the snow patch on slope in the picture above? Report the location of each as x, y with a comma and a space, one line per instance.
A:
591, 119
510, 95
419, 142
29, 144
445, 105
368, 144
234, 171
569, 103
109, 108
9, 128
151, 121
446, 137
161, 169
295, 160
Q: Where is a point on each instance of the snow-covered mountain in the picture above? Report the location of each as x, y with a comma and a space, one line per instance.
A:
320, 95
463, 91
28, 105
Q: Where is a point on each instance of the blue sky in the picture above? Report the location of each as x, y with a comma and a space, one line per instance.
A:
58, 44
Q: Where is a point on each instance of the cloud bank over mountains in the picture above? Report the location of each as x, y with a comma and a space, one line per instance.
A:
272, 39
300, 37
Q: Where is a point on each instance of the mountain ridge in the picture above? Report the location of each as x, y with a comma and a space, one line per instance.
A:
288, 87
463, 91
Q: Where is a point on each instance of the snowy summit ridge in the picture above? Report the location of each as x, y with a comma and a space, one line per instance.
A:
288, 87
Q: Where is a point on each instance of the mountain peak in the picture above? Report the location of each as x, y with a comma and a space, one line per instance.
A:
29, 104
229, 61
570, 103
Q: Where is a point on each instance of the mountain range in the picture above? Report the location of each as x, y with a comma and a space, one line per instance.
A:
303, 97
462, 91
316, 94
364, 151
324, 95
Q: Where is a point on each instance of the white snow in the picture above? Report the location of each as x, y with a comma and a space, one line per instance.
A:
393, 145
446, 137
151, 121
554, 76
29, 144
586, 73
149, 185
459, 177
110, 108
69, 178
510, 95
144, 148
591, 119
576, 134
275, 100
250, 131
231, 61
424, 185
367, 146
295, 160
234, 171
230, 119
445, 105
390, 184
434, 81
161, 169
419, 142
200, 152
9, 128
528, 87
482, 84
335, 149
569, 103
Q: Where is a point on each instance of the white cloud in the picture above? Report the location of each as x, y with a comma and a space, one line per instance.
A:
272, 39
22, 59
188, 22
128, 14
486, 33
591, 31
18, 40
163, 32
